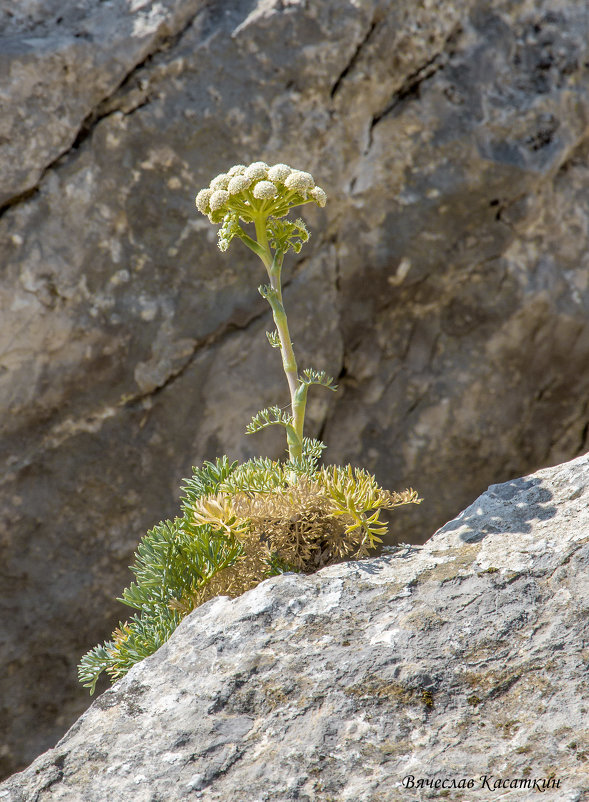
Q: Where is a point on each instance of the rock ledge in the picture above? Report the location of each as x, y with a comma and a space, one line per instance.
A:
460, 659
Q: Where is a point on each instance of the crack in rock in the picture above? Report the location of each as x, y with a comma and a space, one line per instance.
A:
118, 100
162, 42
353, 60
93, 421
411, 86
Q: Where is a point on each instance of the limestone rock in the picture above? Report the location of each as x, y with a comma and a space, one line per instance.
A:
465, 658
445, 284
58, 64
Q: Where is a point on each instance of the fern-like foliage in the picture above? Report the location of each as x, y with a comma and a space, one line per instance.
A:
241, 523
353, 494
311, 454
269, 417
205, 480
257, 475
176, 560
311, 376
285, 234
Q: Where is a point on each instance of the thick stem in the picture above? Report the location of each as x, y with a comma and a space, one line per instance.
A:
298, 391
253, 246
262, 237
289, 364
298, 409
288, 358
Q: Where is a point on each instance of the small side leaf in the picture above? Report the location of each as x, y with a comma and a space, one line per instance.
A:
312, 376
273, 339
269, 417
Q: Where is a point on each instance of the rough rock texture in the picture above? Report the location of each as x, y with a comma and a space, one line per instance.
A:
461, 659
446, 282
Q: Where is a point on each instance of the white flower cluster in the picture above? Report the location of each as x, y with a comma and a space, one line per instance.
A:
258, 188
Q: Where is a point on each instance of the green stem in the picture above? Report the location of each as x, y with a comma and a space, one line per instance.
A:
262, 237
298, 392
253, 246
298, 410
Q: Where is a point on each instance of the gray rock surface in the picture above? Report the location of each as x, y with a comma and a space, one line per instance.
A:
445, 283
58, 62
462, 659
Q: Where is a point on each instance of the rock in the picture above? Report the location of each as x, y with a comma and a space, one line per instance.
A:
464, 659
445, 283
57, 66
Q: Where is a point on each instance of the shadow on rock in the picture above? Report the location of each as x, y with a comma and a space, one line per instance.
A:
510, 507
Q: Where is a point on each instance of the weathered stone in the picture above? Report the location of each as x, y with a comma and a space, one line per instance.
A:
57, 65
463, 658
445, 283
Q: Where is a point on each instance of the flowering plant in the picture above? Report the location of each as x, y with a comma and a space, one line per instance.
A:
241, 523
262, 195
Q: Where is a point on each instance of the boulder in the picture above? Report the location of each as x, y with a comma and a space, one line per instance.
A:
445, 284
460, 661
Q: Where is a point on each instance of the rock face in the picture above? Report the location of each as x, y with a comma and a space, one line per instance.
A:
446, 283
462, 660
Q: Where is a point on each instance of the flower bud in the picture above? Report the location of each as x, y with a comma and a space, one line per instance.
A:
265, 190
218, 199
237, 184
279, 172
299, 181
202, 200
318, 196
256, 170
220, 182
